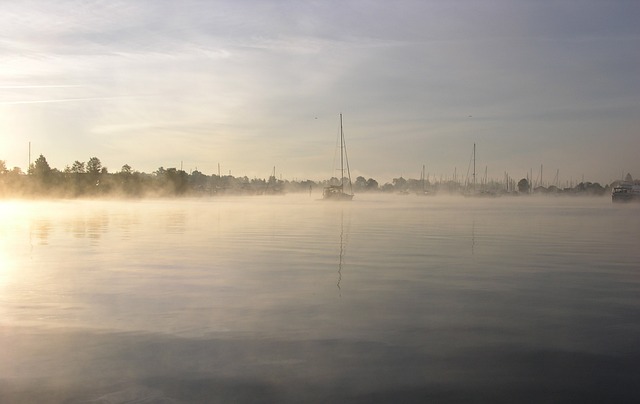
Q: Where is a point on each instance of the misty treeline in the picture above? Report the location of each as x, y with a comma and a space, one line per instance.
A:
92, 179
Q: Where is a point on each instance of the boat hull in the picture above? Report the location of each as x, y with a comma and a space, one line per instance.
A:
336, 193
626, 193
339, 197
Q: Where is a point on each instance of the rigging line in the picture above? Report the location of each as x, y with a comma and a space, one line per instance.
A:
335, 154
466, 180
344, 244
346, 158
341, 252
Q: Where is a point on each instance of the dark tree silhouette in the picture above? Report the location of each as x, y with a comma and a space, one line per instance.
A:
360, 184
78, 167
523, 186
400, 184
41, 168
94, 166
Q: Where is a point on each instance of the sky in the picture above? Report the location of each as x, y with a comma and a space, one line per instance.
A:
249, 85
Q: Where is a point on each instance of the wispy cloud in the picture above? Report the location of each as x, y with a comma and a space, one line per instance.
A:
407, 75
61, 100
41, 86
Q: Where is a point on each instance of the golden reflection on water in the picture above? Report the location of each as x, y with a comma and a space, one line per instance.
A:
6, 267
197, 266
11, 217
91, 226
225, 287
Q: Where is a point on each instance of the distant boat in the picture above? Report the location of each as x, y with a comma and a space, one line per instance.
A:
626, 192
336, 192
470, 188
273, 186
424, 191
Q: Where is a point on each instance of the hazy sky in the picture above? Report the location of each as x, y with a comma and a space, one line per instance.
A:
252, 84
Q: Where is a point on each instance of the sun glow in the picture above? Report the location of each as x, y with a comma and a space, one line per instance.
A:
12, 141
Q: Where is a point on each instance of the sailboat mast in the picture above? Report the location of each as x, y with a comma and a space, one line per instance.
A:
474, 166
341, 155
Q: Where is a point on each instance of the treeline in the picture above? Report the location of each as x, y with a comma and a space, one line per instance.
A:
92, 179
492, 188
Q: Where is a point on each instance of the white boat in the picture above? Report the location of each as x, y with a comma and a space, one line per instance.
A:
337, 192
626, 192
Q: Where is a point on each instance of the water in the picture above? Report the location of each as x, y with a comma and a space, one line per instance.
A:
291, 299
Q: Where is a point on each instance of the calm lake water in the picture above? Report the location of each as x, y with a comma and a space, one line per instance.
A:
288, 299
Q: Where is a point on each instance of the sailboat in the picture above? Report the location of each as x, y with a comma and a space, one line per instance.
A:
336, 192
483, 191
470, 189
273, 186
424, 191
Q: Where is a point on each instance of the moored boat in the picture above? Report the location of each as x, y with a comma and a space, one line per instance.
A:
337, 192
626, 192
424, 191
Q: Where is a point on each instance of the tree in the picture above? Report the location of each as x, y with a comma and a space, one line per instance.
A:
523, 186
41, 168
130, 181
199, 180
387, 187
360, 184
77, 167
333, 181
372, 185
3, 167
178, 179
41, 173
399, 184
172, 180
94, 166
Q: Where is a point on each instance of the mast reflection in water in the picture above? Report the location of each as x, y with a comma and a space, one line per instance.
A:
234, 300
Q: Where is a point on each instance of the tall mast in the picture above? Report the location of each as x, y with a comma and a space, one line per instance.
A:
341, 154
474, 166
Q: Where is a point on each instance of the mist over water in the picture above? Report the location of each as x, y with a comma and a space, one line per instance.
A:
292, 299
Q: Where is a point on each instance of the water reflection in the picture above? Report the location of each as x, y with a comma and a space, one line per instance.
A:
92, 225
235, 299
41, 229
342, 250
473, 236
175, 222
